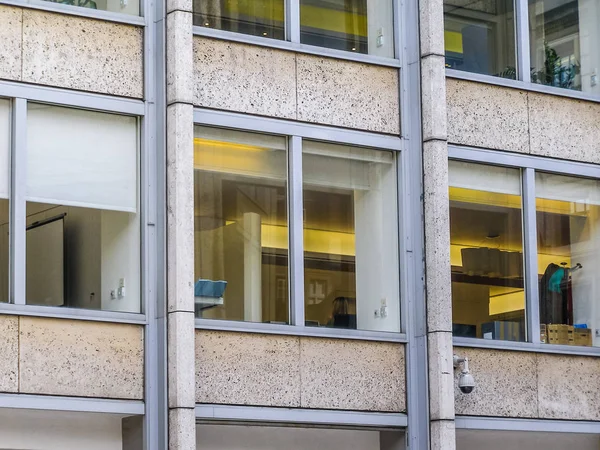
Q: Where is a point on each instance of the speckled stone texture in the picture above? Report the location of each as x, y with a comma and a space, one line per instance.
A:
9, 353
182, 429
441, 382
247, 369
442, 435
80, 358
570, 132
11, 29
354, 375
506, 384
348, 94
431, 27
244, 78
85, 54
482, 115
181, 359
568, 387
180, 64
433, 88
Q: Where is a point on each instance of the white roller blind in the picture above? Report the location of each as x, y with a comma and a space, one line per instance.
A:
4, 147
81, 158
568, 189
501, 180
342, 166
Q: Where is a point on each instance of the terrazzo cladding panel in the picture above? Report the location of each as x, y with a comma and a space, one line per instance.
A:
348, 94
85, 54
80, 358
9, 353
244, 78
11, 24
354, 375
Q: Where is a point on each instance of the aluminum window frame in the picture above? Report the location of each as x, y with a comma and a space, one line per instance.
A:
292, 38
295, 132
523, 77
528, 165
19, 95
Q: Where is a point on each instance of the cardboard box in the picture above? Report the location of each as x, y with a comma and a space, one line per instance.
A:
560, 334
582, 336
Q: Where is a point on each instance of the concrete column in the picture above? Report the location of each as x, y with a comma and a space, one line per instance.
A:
180, 225
437, 226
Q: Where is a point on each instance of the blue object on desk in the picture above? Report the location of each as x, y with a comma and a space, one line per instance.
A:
209, 288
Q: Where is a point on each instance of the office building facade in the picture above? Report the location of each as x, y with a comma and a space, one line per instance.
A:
363, 224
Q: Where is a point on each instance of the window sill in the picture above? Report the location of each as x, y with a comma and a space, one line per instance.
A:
568, 350
291, 330
58, 312
295, 47
521, 85
108, 16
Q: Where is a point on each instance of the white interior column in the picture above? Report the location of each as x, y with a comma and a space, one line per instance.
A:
252, 268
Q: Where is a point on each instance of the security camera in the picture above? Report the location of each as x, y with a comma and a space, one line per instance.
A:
466, 382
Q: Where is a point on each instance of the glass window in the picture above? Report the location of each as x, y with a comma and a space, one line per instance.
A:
240, 220
564, 37
350, 238
568, 235
83, 227
486, 252
361, 26
480, 37
256, 17
4, 193
131, 7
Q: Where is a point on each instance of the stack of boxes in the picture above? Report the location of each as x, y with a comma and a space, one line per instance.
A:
565, 335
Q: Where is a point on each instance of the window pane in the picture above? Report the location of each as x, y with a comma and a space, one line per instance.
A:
4, 190
131, 7
568, 224
83, 228
486, 252
350, 238
564, 37
240, 220
480, 37
361, 26
256, 17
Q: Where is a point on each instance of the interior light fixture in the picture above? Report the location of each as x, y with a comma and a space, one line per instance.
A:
206, 24
265, 33
353, 49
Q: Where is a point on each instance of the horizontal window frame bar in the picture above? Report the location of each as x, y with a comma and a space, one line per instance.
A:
78, 11
566, 350
57, 312
282, 127
295, 47
207, 413
521, 85
301, 331
533, 425
524, 161
73, 404
72, 99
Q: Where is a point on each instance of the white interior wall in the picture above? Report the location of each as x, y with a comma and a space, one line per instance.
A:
230, 437
51, 430
379, 16
377, 251
523, 440
589, 18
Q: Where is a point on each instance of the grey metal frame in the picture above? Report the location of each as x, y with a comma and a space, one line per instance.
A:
296, 132
76, 404
270, 415
533, 425
528, 165
292, 42
109, 16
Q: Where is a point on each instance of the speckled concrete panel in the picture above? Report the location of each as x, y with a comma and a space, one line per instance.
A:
73, 357
247, 369
482, 115
181, 359
84, 54
568, 387
244, 78
437, 236
348, 94
506, 384
11, 26
443, 435
9, 353
570, 132
182, 429
431, 14
441, 383
355, 375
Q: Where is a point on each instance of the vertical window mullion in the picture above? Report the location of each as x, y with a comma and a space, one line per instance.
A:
522, 42
292, 19
296, 231
17, 221
531, 264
